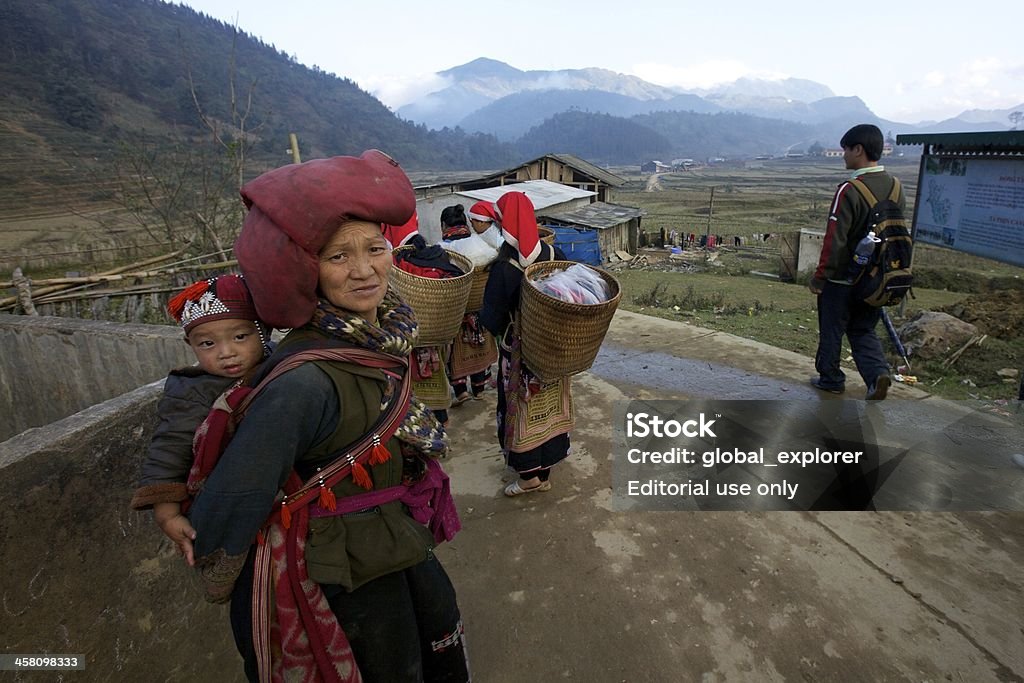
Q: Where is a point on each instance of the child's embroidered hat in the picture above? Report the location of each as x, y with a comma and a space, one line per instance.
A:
218, 298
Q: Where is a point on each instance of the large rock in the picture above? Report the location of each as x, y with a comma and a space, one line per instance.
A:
935, 335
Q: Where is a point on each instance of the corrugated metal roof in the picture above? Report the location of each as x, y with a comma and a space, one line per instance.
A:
543, 193
586, 167
599, 215
1008, 141
604, 176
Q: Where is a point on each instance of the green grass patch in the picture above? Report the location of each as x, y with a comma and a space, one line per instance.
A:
785, 315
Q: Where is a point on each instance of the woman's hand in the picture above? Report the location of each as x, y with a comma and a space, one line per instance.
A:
177, 528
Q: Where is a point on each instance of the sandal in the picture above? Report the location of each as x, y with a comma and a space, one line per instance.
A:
462, 398
514, 489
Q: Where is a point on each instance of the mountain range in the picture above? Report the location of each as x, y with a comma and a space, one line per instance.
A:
489, 96
86, 80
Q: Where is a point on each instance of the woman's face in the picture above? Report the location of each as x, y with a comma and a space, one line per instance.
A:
479, 227
354, 267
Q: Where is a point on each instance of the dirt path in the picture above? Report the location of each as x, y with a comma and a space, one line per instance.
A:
566, 585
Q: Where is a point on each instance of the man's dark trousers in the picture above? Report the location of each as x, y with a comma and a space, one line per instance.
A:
840, 313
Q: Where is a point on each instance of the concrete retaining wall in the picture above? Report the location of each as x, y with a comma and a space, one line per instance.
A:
51, 368
86, 575
811, 242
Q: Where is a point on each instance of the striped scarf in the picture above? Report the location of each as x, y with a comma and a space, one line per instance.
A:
395, 334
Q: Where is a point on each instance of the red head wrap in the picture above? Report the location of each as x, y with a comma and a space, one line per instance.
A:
482, 211
397, 235
294, 210
519, 224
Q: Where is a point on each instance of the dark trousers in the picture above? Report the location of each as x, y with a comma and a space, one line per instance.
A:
478, 381
840, 313
403, 627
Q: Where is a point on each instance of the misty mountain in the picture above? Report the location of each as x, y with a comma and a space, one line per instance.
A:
958, 125
511, 116
993, 116
476, 84
489, 96
787, 88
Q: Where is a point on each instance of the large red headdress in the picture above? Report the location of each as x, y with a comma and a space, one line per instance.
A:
294, 210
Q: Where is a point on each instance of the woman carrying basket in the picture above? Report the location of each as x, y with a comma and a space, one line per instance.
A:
319, 519
472, 347
534, 438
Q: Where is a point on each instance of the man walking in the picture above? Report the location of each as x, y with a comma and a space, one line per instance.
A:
839, 312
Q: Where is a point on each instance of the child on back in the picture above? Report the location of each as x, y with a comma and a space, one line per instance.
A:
230, 343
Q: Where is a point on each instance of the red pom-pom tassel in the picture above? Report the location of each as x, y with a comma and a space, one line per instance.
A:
361, 477
286, 516
327, 500
380, 454
191, 293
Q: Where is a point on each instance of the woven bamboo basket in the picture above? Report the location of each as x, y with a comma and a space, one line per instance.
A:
561, 338
546, 235
476, 291
439, 304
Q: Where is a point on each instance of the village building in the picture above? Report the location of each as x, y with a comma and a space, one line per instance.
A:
571, 196
565, 169
596, 233
655, 167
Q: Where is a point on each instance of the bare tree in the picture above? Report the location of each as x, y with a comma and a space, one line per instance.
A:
182, 189
235, 138
1015, 118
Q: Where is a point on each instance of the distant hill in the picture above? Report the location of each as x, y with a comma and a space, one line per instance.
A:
599, 138
511, 116
85, 75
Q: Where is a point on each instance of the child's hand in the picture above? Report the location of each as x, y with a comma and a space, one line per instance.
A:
177, 528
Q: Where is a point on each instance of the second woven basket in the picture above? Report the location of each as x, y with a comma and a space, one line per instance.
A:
439, 304
561, 338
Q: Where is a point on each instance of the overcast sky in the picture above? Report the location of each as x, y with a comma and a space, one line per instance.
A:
909, 60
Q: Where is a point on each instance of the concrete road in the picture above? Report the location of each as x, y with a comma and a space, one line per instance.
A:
562, 586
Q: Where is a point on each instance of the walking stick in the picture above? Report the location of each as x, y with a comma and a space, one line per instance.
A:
895, 338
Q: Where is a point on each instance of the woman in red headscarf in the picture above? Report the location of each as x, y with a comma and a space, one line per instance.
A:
473, 351
319, 520
534, 437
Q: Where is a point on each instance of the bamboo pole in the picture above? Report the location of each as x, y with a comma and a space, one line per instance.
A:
95, 279
293, 140
9, 301
58, 297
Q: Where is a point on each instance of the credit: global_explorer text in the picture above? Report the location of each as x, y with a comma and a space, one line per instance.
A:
721, 456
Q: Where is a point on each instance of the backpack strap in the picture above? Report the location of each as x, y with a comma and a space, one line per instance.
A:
894, 195
859, 185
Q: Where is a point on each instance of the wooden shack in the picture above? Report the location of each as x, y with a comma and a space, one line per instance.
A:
617, 227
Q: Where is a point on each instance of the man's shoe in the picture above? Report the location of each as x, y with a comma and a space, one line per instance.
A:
878, 390
816, 383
